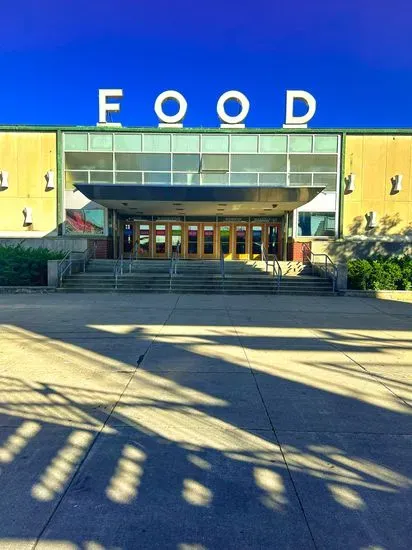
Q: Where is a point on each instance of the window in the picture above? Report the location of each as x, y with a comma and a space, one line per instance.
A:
128, 142
83, 221
272, 179
75, 177
313, 163
300, 144
186, 143
326, 144
89, 161
295, 180
244, 178
157, 178
101, 142
75, 142
186, 163
259, 163
215, 143
215, 178
101, 177
326, 180
185, 178
244, 144
273, 144
215, 163
316, 224
128, 177
143, 162
157, 143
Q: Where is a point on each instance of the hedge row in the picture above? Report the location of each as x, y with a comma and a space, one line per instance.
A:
380, 273
25, 266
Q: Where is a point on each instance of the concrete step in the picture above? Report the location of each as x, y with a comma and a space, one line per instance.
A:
191, 291
197, 276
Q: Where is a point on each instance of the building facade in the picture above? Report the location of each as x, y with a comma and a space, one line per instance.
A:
207, 192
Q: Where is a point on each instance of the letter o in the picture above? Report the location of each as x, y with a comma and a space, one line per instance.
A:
244, 108
170, 119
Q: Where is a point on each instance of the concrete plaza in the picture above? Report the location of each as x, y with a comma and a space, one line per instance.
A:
205, 422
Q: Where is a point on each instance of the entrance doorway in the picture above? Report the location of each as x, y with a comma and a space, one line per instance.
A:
257, 241
241, 240
144, 239
201, 240
241, 244
225, 248
273, 241
127, 238
193, 238
176, 234
208, 244
160, 241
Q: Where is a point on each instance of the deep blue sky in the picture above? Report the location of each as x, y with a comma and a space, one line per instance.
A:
355, 58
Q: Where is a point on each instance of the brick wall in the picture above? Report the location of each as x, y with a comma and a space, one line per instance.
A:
104, 248
295, 252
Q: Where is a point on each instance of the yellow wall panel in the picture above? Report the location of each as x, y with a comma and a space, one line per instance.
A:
354, 219
12, 218
398, 162
48, 158
27, 156
354, 165
407, 185
29, 169
375, 160
395, 218
374, 167
8, 162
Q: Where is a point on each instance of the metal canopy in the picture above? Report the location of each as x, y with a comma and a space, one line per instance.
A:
199, 200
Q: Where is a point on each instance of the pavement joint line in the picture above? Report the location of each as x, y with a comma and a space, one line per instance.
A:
275, 435
96, 437
376, 304
364, 369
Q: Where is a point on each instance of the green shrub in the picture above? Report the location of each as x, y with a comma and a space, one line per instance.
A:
381, 273
25, 266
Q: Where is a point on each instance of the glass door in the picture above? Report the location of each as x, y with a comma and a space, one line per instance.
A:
208, 250
143, 250
176, 231
160, 243
257, 236
127, 239
224, 240
273, 242
193, 248
241, 242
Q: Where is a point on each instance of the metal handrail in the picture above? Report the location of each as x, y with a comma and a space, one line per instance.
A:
277, 272
88, 254
62, 270
276, 268
135, 246
118, 269
323, 266
173, 265
66, 263
222, 262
